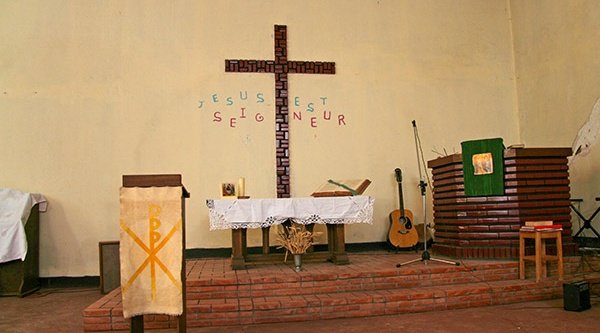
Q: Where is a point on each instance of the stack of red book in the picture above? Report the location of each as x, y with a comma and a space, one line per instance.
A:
541, 226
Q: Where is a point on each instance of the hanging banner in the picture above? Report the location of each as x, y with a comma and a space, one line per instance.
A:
151, 250
483, 167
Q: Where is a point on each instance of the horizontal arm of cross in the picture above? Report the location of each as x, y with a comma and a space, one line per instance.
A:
270, 66
250, 66
310, 67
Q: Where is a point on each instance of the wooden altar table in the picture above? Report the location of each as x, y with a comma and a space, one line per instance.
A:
242, 214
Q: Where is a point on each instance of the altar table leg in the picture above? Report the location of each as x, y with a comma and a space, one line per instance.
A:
337, 244
245, 243
238, 248
265, 240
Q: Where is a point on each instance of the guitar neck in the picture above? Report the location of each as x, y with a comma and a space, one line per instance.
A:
401, 199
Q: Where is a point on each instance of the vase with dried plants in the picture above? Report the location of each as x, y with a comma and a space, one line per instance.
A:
296, 239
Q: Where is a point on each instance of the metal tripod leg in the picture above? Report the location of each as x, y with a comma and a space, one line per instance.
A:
425, 257
456, 263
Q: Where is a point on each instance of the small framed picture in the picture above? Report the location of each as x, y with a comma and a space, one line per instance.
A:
483, 164
228, 190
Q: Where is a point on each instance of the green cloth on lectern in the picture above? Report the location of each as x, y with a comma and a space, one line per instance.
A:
485, 181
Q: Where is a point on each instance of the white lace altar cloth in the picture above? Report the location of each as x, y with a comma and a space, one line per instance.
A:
261, 213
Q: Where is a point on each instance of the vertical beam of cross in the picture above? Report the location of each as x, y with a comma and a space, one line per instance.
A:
280, 66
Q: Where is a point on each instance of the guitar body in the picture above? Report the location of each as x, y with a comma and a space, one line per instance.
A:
399, 236
402, 233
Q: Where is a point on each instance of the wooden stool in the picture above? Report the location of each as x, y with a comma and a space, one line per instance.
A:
540, 258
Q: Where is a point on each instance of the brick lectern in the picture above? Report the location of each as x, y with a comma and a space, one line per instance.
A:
536, 188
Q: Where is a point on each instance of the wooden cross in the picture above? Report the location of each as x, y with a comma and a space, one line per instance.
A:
281, 66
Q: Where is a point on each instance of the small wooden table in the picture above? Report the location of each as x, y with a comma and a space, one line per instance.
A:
541, 258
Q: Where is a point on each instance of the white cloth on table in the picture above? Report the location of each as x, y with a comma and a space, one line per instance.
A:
15, 208
260, 213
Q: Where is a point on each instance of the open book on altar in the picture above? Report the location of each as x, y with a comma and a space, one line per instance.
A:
345, 187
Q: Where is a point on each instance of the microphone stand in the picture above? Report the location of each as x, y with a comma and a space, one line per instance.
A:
425, 256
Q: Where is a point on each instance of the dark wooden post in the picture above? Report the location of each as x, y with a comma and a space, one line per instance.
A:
337, 244
238, 248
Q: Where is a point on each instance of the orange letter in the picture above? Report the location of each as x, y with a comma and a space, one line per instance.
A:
154, 221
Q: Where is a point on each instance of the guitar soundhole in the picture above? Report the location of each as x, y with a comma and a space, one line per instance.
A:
406, 223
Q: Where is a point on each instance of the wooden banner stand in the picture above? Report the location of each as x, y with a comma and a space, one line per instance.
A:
137, 322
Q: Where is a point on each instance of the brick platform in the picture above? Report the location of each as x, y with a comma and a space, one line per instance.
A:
371, 285
536, 188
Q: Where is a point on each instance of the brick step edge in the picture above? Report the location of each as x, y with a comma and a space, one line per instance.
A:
256, 310
405, 277
416, 269
298, 284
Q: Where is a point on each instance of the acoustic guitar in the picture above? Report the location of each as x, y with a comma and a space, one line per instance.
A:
402, 233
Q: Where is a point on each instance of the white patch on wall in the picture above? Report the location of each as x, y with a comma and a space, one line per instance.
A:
588, 134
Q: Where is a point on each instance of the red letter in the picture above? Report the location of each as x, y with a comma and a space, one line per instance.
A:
217, 117
243, 115
313, 121
232, 122
259, 117
325, 115
341, 120
297, 115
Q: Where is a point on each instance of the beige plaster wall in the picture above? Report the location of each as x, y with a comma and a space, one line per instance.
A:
557, 64
92, 90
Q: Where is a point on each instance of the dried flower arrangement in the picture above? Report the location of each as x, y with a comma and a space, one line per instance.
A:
295, 239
